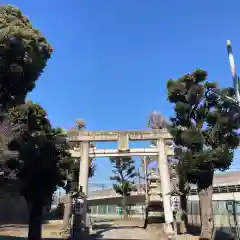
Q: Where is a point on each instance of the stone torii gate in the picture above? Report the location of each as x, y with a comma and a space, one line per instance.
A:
80, 141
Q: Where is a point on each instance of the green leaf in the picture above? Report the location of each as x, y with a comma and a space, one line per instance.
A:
124, 173
24, 54
43, 159
204, 125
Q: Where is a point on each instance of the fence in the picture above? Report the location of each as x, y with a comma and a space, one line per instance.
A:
114, 210
226, 216
226, 212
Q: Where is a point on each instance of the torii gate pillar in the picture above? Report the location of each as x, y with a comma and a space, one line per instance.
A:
165, 184
83, 173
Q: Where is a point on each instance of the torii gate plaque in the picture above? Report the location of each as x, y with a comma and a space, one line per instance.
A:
80, 140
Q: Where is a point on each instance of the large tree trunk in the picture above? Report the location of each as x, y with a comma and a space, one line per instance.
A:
184, 217
205, 191
183, 206
35, 221
67, 214
124, 206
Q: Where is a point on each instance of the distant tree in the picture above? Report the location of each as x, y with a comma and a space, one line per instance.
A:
124, 174
205, 128
42, 162
24, 53
157, 121
80, 124
74, 170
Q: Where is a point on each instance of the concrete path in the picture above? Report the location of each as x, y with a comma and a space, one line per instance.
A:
117, 230
109, 231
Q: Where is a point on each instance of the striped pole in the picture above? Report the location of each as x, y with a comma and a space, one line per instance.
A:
233, 70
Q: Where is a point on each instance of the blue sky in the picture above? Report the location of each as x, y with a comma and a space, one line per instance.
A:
112, 58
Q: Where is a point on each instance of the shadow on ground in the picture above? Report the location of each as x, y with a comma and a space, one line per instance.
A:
55, 214
101, 220
20, 238
16, 220
4, 227
223, 233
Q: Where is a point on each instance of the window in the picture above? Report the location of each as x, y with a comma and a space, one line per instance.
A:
102, 209
237, 207
221, 208
112, 209
224, 189
193, 207
93, 209
215, 207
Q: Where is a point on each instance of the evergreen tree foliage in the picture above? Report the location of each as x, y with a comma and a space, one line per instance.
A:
23, 55
73, 176
42, 162
124, 174
205, 129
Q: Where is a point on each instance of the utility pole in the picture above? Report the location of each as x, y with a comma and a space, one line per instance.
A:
235, 100
139, 180
233, 70
145, 178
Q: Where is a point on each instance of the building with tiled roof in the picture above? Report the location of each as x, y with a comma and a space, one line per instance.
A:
222, 183
226, 190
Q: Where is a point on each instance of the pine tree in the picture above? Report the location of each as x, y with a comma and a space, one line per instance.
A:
205, 128
124, 174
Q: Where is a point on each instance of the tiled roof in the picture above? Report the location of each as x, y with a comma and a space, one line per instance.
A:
227, 178
101, 193
109, 192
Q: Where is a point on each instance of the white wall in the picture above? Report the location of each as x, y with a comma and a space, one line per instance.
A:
219, 196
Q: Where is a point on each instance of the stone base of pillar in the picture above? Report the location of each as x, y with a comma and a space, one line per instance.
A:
79, 231
168, 229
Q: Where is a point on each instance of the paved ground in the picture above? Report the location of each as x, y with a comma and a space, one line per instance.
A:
102, 230
119, 229
19, 232
132, 229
